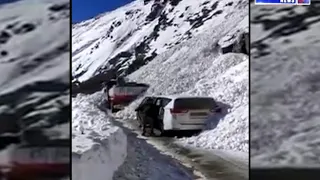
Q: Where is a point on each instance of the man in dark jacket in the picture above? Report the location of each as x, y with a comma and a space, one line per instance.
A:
148, 117
106, 88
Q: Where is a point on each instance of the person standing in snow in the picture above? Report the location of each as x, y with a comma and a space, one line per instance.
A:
148, 117
120, 81
106, 88
106, 93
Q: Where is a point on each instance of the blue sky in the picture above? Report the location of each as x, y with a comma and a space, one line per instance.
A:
86, 9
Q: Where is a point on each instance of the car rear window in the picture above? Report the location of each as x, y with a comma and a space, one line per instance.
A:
194, 103
130, 90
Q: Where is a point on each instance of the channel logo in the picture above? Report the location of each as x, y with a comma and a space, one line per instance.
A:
304, 2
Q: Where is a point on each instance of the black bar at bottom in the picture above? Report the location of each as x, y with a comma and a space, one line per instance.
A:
284, 174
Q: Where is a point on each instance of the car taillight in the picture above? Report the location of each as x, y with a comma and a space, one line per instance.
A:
178, 111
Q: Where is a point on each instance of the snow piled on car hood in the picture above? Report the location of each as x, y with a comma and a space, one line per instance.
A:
285, 86
98, 147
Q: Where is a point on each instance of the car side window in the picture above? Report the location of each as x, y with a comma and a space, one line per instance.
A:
165, 101
162, 103
144, 101
158, 102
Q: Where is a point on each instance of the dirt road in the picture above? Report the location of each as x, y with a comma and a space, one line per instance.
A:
158, 158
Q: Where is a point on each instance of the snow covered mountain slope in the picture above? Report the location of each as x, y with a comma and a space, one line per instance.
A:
195, 67
131, 36
285, 85
177, 47
34, 68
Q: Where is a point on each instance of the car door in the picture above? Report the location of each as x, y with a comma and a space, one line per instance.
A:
142, 103
139, 109
161, 103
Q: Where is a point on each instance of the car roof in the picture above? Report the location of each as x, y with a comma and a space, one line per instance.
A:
131, 84
176, 96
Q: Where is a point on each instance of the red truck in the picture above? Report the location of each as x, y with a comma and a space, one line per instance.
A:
120, 95
38, 161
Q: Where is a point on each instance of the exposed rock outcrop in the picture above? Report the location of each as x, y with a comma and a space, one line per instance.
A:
236, 43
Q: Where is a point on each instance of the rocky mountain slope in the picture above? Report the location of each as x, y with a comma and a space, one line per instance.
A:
177, 47
285, 84
131, 36
34, 70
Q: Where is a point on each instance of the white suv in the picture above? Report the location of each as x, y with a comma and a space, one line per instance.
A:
180, 112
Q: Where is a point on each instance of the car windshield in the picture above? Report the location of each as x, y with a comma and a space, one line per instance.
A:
194, 103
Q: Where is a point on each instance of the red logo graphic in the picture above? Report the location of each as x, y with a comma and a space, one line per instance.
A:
303, 1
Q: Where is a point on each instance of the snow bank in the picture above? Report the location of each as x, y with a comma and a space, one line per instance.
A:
230, 87
98, 147
196, 68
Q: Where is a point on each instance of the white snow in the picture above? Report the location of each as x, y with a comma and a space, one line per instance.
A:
285, 126
41, 43
223, 77
23, 49
226, 79
34, 70
183, 66
31, 57
4, 160
101, 149
88, 33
